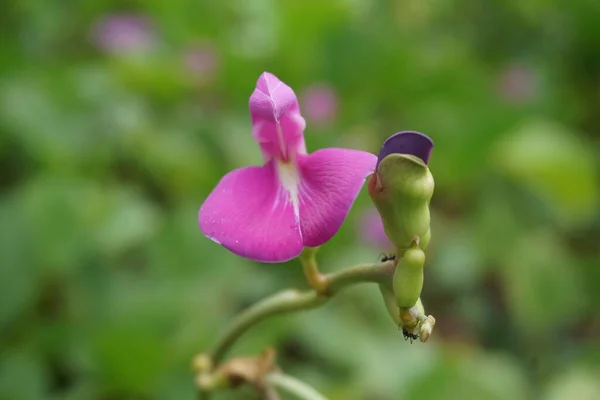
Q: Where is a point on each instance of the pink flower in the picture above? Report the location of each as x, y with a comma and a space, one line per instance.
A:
518, 84
124, 33
202, 61
320, 103
269, 213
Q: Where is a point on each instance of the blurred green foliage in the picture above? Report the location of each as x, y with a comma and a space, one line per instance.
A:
107, 287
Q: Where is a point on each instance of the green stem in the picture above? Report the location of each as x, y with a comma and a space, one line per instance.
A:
287, 301
314, 277
293, 386
294, 300
389, 299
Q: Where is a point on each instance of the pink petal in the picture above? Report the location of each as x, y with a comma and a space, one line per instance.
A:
249, 214
278, 125
331, 181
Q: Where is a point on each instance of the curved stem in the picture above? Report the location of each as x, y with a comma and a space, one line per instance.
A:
314, 277
279, 303
293, 386
294, 300
390, 303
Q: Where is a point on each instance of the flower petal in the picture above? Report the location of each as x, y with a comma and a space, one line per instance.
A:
407, 142
331, 181
248, 213
277, 124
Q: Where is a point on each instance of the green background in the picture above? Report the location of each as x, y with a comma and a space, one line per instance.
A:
108, 288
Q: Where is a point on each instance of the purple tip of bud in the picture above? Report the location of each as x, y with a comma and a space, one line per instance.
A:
414, 143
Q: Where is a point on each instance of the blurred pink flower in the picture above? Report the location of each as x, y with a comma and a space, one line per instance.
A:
517, 84
320, 103
269, 213
202, 61
370, 230
124, 33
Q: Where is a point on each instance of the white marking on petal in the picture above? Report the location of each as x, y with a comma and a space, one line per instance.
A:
289, 178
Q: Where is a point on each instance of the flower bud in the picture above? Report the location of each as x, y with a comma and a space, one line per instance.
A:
408, 277
202, 363
426, 328
401, 189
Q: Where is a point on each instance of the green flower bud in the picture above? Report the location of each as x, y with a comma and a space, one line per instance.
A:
401, 189
408, 277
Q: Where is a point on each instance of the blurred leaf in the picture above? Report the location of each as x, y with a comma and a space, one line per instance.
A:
116, 219
496, 225
177, 386
17, 272
163, 77
22, 376
457, 264
127, 220
174, 159
82, 391
472, 376
118, 113
51, 130
578, 383
556, 164
130, 357
53, 206
257, 34
542, 285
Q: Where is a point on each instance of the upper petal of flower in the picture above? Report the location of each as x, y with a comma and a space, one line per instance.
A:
407, 142
331, 180
277, 124
250, 214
